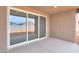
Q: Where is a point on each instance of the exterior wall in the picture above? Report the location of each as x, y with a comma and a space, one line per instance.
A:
3, 29
62, 25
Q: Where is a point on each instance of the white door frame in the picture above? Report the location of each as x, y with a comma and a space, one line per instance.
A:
8, 28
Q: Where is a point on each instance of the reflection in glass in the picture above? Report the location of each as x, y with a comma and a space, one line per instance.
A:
32, 26
17, 27
42, 27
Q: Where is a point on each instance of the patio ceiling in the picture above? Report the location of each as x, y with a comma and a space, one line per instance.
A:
58, 9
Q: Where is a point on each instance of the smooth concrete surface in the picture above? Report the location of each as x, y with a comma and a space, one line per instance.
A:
48, 45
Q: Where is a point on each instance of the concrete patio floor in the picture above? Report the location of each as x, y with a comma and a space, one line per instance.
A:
48, 45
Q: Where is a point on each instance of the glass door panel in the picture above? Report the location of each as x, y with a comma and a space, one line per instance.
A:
42, 27
32, 27
17, 27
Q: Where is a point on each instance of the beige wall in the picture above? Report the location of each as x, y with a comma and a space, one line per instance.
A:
3, 28
62, 25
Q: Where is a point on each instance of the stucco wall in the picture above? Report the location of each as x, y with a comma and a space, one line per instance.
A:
62, 25
3, 29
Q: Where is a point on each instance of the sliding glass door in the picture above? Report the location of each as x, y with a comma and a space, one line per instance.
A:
17, 27
32, 27
25, 27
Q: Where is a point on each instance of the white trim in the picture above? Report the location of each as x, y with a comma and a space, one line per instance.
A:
8, 30
27, 27
76, 23
47, 27
26, 42
38, 26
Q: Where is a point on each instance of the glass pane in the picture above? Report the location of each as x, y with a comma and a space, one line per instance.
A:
42, 27
17, 27
32, 26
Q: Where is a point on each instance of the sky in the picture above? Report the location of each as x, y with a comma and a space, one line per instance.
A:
19, 20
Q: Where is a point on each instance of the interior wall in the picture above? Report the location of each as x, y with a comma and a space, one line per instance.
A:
3, 28
62, 25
